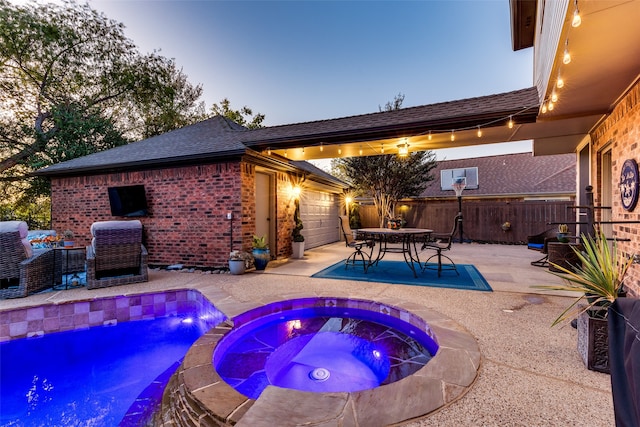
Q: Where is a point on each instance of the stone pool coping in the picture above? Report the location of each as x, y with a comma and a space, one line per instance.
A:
197, 395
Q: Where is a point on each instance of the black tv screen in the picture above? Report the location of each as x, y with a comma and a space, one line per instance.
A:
128, 201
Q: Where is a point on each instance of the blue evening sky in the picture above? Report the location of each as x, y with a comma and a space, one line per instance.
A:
298, 61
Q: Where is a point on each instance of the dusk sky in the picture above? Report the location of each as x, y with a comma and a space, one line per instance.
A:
298, 61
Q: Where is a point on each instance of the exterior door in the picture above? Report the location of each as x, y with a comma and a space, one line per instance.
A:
264, 208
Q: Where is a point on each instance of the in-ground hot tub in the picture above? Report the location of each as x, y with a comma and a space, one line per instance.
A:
324, 360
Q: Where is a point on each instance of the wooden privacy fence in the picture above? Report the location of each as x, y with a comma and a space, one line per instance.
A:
482, 219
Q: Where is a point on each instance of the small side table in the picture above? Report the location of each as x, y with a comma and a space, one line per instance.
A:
65, 253
562, 254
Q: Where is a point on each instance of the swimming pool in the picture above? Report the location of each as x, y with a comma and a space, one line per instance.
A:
94, 376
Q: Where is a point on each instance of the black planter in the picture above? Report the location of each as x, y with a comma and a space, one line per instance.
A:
593, 342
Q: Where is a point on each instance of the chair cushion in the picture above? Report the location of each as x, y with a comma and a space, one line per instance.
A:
117, 225
28, 250
535, 246
21, 226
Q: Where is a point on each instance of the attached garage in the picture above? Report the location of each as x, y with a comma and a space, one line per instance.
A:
319, 211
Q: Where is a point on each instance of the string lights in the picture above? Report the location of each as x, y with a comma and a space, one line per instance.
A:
403, 146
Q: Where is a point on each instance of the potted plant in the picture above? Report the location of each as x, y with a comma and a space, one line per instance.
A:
261, 252
563, 230
68, 238
599, 279
239, 261
297, 239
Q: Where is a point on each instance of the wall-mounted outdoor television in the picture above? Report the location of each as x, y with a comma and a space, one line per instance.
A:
128, 201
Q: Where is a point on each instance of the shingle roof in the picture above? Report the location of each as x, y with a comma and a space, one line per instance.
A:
513, 174
198, 141
522, 104
219, 137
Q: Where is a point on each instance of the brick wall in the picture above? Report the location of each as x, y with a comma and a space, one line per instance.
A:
620, 132
188, 206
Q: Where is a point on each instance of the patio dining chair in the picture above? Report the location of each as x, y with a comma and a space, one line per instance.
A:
441, 242
116, 255
23, 270
358, 256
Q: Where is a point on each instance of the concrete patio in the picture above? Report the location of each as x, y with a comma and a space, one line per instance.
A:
530, 374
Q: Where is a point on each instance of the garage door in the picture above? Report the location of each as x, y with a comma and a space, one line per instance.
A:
319, 212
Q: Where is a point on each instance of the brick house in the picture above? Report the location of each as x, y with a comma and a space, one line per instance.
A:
193, 178
595, 94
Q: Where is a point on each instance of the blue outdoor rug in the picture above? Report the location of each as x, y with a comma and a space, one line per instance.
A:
398, 272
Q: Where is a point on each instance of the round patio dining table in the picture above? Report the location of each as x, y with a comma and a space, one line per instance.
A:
388, 239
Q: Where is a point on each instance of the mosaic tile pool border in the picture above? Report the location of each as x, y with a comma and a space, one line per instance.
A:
47, 318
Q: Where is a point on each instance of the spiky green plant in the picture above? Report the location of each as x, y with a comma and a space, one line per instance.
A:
599, 277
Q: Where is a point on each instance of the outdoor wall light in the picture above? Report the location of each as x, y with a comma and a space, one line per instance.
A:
295, 191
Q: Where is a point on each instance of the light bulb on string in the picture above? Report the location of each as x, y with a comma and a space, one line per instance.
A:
554, 97
381, 148
544, 107
360, 150
303, 151
321, 147
550, 107
577, 20
566, 58
479, 132
339, 149
285, 153
453, 136
268, 151
510, 123
429, 136
559, 82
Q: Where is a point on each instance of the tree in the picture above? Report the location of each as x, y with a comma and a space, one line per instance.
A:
241, 116
72, 84
396, 104
387, 178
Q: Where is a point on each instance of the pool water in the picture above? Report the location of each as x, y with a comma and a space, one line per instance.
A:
91, 377
321, 349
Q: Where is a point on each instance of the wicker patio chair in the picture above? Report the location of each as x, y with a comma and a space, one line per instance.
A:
23, 270
116, 255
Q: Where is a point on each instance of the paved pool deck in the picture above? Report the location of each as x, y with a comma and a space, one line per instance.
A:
530, 374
